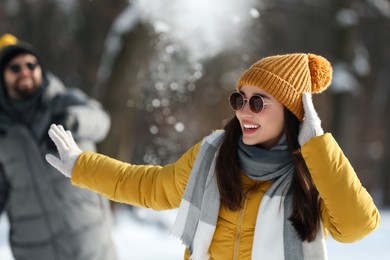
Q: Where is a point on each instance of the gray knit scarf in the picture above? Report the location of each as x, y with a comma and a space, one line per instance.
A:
275, 237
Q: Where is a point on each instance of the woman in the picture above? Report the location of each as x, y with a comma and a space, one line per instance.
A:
269, 186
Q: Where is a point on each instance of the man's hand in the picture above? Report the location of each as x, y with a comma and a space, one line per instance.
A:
67, 148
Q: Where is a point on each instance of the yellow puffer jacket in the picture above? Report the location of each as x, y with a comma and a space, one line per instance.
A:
347, 210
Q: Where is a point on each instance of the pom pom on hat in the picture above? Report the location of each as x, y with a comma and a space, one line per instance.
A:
7, 39
287, 77
320, 72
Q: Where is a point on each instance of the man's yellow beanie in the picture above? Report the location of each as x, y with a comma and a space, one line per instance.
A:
287, 77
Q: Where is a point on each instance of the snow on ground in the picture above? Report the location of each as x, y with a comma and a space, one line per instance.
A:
136, 238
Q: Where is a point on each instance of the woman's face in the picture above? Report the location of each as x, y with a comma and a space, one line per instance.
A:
264, 128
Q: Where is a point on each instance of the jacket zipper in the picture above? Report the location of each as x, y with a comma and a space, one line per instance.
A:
239, 225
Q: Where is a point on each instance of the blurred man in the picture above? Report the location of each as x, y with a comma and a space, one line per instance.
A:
49, 218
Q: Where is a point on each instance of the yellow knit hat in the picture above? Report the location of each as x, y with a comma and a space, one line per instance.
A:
287, 77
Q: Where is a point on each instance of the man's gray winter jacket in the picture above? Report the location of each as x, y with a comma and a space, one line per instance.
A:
49, 218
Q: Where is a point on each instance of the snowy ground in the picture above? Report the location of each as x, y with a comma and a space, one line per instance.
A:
136, 238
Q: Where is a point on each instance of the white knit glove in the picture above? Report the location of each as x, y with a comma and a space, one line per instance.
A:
311, 125
67, 148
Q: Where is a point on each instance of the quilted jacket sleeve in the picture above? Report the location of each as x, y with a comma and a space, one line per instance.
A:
3, 190
93, 122
148, 186
76, 111
347, 209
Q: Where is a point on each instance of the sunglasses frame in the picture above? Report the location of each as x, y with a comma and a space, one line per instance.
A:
17, 68
250, 101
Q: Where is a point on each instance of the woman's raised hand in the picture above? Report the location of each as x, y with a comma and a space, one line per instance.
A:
68, 150
311, 125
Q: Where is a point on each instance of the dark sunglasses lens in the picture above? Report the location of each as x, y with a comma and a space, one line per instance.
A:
31, 66
256, 104
236, 101
15, 68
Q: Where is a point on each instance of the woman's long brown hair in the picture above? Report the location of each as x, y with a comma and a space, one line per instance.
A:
305, 216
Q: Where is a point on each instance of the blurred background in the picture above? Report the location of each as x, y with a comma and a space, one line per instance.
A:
164, 69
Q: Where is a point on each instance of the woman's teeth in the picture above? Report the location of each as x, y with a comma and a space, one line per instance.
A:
250, 126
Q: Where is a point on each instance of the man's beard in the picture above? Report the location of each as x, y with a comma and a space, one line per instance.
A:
25, 93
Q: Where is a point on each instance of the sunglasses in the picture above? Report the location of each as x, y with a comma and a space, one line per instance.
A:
256, 102
17, 68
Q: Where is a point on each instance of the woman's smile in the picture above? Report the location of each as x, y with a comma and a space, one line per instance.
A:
249, 128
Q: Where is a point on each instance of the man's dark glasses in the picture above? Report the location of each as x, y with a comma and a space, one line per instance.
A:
256, 102
16, 68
